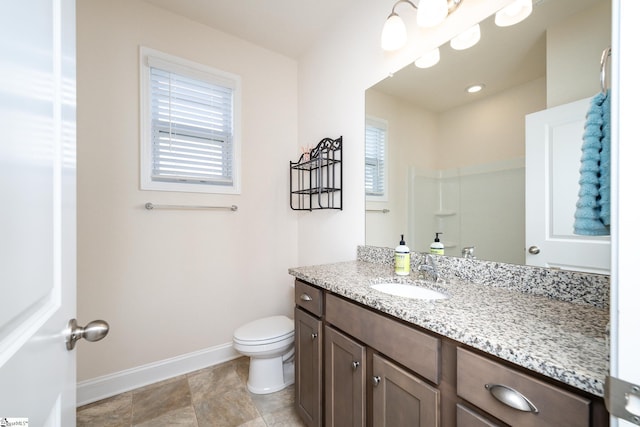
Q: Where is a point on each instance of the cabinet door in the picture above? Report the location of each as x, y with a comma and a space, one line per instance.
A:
402, 399
308, 366
344, 380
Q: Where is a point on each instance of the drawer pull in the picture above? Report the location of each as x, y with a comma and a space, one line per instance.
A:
376, 380
306, 297
510, 397
355, 365
314, 335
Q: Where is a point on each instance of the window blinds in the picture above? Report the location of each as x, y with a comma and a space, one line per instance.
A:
191, 128
375, 136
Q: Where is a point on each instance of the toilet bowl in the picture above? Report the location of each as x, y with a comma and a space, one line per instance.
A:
269, 344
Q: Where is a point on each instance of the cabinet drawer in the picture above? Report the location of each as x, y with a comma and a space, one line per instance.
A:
408, 346
309, 297
465, 417
556, 407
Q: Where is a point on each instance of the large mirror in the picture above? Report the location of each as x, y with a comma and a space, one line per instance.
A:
455, 161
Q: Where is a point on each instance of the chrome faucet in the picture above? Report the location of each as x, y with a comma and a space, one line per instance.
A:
428, 268
468, 252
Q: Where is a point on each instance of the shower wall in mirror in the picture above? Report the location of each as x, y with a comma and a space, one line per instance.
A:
456, 162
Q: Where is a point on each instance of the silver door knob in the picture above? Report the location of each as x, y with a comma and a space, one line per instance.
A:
94, 331
376, 380
534, 250
355, 365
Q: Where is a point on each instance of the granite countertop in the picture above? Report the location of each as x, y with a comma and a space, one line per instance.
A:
562, 340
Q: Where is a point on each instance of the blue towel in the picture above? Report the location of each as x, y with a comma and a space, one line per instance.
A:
593, 209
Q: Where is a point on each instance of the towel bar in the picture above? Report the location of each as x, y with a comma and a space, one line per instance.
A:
150, 206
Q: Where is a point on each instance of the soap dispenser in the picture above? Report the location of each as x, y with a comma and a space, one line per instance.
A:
402, 258
437, 248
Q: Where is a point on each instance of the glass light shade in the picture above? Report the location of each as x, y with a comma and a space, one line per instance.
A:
432, 12
466, 39
394, 33
429, 59
515, 12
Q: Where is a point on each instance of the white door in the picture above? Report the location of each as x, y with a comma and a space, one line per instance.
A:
37, 211
625, 277
553, 151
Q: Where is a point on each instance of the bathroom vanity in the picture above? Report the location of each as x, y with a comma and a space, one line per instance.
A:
489, 354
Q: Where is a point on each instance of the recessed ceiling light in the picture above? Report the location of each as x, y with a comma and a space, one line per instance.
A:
474, 88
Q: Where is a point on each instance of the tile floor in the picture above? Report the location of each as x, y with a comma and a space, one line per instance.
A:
215, 396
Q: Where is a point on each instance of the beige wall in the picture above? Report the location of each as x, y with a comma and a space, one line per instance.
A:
480, 133
490, 129
574, 48
412, 137
175, 282
333, 78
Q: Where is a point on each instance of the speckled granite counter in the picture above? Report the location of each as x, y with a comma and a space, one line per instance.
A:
562, 340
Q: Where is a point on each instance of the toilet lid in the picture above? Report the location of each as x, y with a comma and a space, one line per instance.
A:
265, 329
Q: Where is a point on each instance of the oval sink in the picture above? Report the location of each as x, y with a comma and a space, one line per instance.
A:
408, 291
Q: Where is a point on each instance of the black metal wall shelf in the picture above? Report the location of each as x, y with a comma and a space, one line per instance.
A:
315, 180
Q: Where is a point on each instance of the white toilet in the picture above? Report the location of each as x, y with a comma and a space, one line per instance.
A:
269, 344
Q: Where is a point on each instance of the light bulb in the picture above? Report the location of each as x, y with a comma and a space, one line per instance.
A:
475, 88
429, 59
394, 33
515, 12
466, 39
431, 12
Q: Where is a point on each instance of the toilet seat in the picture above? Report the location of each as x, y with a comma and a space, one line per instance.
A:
268, 330
269, 343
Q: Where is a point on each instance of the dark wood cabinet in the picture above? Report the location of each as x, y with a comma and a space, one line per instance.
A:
308, 367
356, 366
517, 398
345, 380
401, 399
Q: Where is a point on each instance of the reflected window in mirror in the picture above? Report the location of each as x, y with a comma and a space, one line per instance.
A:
376, 159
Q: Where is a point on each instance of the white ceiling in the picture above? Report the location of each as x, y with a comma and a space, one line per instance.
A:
504, 56
289, 27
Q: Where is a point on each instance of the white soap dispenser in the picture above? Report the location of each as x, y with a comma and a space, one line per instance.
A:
402, 258
437, 248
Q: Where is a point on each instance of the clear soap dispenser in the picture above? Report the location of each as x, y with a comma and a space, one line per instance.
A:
402, 258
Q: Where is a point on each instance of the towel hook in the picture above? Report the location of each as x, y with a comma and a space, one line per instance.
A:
603, 69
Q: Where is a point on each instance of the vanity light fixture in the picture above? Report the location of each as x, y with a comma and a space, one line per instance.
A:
430, 13
514, 12
474, 88
429, 59
467, 38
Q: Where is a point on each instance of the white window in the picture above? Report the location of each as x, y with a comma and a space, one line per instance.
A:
190, 137
375, 159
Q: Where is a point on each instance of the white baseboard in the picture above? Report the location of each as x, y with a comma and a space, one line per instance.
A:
95, 389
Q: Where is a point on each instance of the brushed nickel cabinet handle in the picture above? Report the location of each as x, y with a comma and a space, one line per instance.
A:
355, 365
306, 297
376, 380
314, 335
511, 397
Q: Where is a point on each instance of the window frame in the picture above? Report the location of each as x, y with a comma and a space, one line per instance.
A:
201, 72
371, 121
